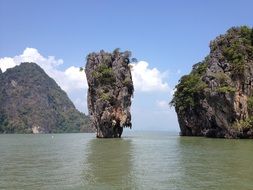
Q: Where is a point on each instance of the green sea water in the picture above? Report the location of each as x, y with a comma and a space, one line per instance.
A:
140, 160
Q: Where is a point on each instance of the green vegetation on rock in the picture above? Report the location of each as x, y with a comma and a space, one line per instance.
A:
242, 127
189, 89
32, 102
110, 91
105, 96
215, 99
226, 89
104, 74
236, 48
250, 103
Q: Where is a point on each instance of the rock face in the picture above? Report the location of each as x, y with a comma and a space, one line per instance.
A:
216, 98
32, 102
110, 92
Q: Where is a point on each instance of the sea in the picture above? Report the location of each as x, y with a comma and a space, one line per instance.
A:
139, 160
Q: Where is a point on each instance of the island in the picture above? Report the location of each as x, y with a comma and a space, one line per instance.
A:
216, 98
110, 92
32, 102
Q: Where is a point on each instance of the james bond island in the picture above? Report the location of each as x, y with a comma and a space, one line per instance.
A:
110, 92
216, 98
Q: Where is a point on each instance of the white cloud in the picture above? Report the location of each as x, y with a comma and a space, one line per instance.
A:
146, 79
162, 104
71, 79
6, 63
76, 76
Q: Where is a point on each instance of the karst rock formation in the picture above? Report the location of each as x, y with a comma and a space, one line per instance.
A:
32, 102
110, 92
216, 98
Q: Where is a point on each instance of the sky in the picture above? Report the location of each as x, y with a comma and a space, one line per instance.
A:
167, 37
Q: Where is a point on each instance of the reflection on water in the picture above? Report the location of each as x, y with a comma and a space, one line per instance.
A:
215, 163
108, 164
40, 161
139, 161
156, 161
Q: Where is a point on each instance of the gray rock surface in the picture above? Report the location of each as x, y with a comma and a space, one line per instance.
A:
110, 92
216, 98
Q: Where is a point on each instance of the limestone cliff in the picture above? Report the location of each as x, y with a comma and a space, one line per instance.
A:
110, 92
216, 98
32, 102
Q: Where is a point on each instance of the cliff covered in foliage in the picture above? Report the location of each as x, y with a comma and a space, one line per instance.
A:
216, 98
32, 102
110, 92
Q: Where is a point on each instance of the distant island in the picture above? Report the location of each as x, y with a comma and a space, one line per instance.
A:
32, 102
216, 98
110, 92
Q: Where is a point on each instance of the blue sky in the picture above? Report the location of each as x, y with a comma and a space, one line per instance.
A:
170, 36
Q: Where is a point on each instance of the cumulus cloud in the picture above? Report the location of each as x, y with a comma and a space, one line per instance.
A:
6, 63
148, 79
145, 79
70, 80
74, 82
